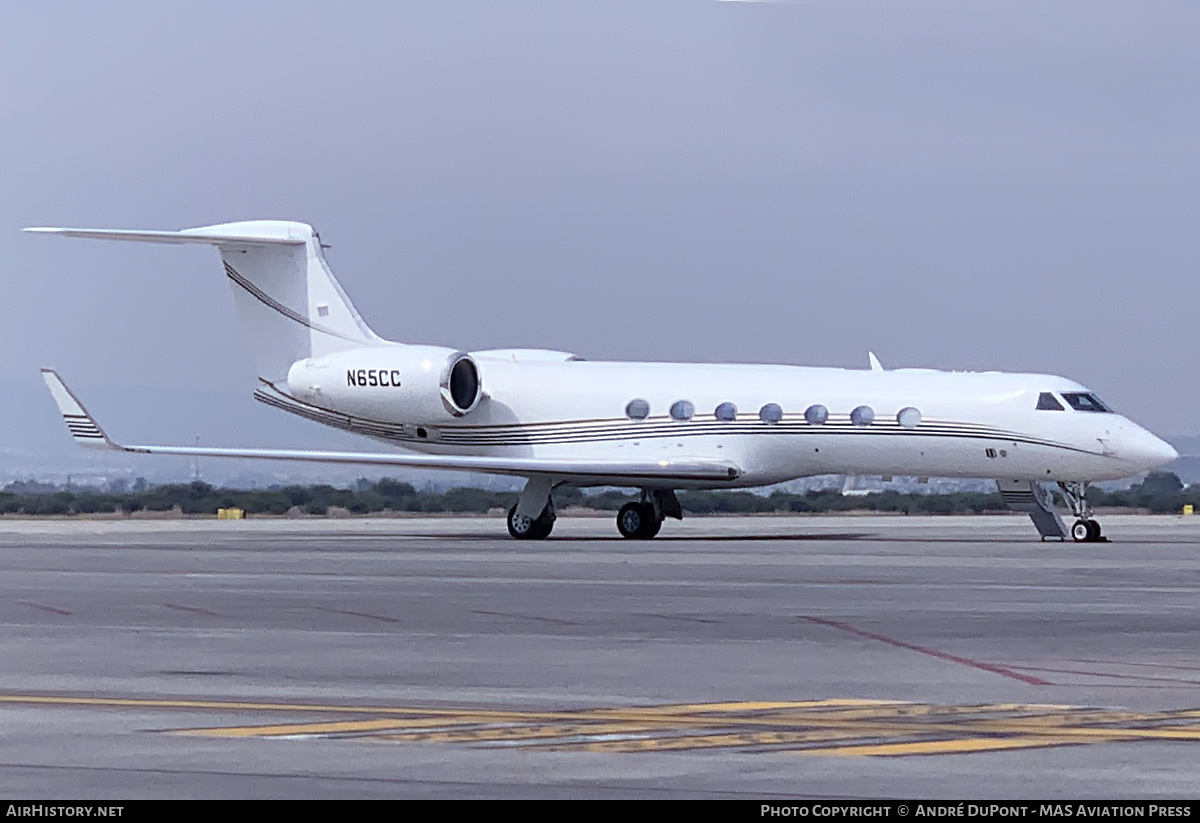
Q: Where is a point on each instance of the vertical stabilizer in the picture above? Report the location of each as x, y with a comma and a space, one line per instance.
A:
291, 305
288, 299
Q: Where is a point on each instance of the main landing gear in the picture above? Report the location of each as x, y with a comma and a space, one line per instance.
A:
1086, 529
643, 519
523, 527
637, 521
533, 517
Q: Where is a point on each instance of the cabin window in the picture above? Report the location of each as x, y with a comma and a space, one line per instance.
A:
770, 413
1048, 402
909, 417
1085, 402
683, 410
637, 409
816, 414
862, 416
726, 412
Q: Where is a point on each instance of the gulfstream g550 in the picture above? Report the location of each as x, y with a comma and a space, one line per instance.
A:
555, 419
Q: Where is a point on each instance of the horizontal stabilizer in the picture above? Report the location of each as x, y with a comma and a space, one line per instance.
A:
86, 431
288, 299
209, 235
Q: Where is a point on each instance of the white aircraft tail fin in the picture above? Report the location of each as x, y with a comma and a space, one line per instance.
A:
289, 301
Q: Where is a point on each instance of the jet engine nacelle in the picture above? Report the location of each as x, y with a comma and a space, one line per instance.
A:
417, 384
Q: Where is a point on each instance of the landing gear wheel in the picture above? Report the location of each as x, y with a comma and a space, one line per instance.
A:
1086, 531
527, 528
652, 526
630, 520
1080, 531
637, 522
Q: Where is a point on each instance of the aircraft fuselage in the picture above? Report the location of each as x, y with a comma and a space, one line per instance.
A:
959, 424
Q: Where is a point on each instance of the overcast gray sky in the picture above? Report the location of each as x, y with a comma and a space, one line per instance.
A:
973, 185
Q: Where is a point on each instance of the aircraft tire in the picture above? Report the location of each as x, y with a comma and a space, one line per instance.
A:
1085, 531
629, 520
524, 528
543, 526
652, 525
636, 521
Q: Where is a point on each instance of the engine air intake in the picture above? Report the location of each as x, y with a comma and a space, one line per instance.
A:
460, 384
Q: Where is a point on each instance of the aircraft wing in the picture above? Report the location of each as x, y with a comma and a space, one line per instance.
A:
87, 432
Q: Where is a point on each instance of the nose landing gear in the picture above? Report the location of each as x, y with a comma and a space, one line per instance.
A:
1086, 529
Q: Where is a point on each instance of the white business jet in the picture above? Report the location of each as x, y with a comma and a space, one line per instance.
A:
555, 419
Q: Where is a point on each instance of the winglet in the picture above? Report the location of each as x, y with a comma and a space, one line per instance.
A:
83, 427
875, 364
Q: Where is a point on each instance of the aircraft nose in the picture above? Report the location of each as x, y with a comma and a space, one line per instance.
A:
1149, 452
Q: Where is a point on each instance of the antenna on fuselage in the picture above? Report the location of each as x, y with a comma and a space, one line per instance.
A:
875, 364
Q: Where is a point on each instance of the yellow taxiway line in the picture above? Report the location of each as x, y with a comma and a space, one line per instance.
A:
833, 727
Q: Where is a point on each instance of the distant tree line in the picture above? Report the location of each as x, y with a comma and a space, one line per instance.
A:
1159, 492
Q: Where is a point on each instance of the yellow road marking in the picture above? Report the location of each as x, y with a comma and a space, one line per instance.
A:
474, 728
669, 711
532, 726
835, 727
684, 708
910, 710
334, 727
486, 729
1168, 733
958, 746
527, 732
707, 741
201, 704
648, 717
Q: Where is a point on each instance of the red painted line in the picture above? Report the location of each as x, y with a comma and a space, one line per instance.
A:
966, 661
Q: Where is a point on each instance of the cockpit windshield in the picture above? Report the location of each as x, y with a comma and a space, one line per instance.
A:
1048, 402
1085, 402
